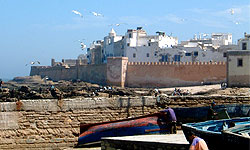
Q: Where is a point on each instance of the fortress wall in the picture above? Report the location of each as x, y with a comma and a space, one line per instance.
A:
161, 74
55, 124
93, 73
119, 72
55, 73
88, 73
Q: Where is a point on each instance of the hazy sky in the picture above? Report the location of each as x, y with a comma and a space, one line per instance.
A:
33, 30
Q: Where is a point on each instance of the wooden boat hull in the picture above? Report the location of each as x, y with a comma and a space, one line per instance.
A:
150, 124
237, 137
210, 130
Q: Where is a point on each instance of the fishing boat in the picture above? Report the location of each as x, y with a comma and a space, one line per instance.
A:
211, 131
149, 124
237, 137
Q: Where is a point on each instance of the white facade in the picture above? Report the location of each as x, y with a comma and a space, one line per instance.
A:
140, 47
219, 39
238, 64
204, 42
244, 43
136, 42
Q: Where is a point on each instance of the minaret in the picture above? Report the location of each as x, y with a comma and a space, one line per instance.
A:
112, 33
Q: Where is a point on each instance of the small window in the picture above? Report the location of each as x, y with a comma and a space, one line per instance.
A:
225, 54
244, 46
188, 54
240, 62
147, 54
130, 35
134, 55
177, 58
149, 44
164, 58
128, 44
195, 53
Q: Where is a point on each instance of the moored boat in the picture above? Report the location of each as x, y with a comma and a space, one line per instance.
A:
149, 124
210, 130
237, 137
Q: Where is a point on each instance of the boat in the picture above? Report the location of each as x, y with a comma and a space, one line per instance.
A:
237, 137
211, 131
149, 124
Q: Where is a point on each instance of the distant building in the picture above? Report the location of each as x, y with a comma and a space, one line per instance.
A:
95, 52
238, 64
244, 43
140, 47
136, 44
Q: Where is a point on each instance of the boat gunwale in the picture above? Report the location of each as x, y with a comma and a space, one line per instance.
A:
189, 125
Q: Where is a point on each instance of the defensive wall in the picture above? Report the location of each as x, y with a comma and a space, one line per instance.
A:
161, 74
119, 72
55, 124
89, 73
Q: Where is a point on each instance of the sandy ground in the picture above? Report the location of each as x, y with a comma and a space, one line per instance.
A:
212, 90
194, 89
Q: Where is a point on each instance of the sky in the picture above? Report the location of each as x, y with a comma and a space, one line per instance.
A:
38, 30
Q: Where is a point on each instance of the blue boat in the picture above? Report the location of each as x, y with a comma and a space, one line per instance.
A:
149, 124
211, 131
237, 137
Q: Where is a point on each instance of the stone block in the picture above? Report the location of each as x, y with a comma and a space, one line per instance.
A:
30, 141
7, 141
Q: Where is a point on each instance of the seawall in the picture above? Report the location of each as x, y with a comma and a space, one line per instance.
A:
55, 124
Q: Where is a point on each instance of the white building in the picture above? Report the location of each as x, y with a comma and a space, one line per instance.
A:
244, 43
140, 47
136, 44
238, 64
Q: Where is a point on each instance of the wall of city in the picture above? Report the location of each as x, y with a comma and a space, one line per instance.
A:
160, 74
88, 73
54, 124
119, 72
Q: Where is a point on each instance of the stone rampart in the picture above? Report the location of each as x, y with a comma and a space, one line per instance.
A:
55, 124
87, 73
119, 72
169, 74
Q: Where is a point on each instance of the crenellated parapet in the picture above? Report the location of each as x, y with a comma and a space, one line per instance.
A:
176, 63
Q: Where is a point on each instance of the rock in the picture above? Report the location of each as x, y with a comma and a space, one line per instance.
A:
25, 89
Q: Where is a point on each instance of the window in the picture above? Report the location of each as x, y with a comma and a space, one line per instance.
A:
195, 53
147, 54
244, 46
128, 44
225, 54
240, 62
164, 58
134, 55
177, 58
149, 44
130, 35
188, 54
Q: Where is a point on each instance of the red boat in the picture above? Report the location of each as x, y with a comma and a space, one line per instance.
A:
149, 124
